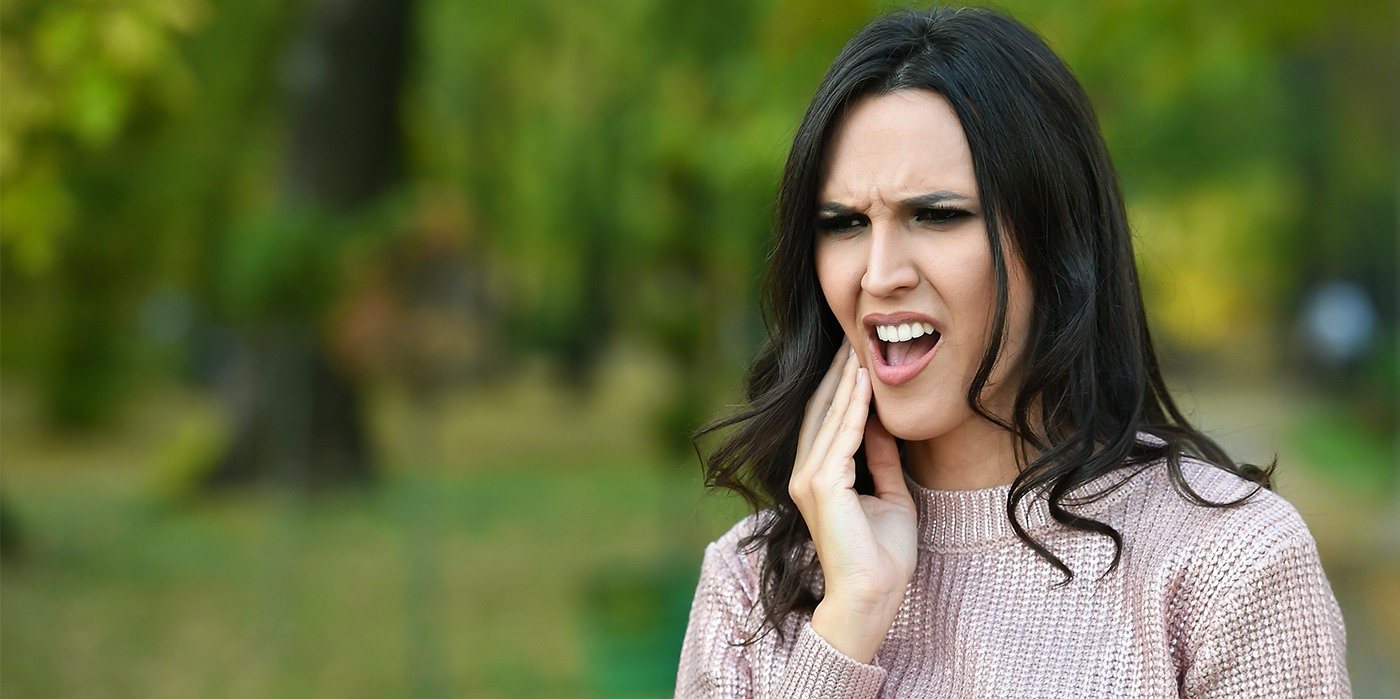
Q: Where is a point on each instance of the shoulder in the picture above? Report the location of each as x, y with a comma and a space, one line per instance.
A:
1264, 519
733, 557
1155, 503
1208, 550
733, 542
1231, 543
1215, 558
1248, 584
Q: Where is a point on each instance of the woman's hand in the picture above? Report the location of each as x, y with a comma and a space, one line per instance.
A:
867, 545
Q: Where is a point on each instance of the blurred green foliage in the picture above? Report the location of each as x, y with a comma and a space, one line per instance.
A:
78, 77
617, 165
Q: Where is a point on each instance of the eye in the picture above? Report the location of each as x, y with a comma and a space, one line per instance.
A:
839, 224
942, 216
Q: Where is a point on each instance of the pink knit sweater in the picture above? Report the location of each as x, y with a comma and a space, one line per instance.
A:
1205, 603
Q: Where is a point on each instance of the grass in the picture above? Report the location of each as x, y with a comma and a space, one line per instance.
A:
1357, 459
486, 575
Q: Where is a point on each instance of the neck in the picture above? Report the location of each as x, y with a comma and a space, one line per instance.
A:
971, 456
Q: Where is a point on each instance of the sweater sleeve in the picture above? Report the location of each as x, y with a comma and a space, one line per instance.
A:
713, 666
1274, 631
818, 669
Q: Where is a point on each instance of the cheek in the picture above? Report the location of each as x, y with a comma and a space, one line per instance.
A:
839, 277
969, 288
967, 283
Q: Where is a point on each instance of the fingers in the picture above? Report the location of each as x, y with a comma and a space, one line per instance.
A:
849, 432
821, 444
882, 457
821, 400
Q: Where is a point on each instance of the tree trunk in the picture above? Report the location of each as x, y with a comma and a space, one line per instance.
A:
297, 417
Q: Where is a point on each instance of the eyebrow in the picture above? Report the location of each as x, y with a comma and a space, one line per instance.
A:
915, 202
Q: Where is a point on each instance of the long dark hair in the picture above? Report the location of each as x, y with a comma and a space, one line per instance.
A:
1042, 168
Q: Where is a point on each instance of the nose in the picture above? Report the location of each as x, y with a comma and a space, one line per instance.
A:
888, 269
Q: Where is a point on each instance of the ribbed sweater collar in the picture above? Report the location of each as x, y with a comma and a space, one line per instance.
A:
952, 520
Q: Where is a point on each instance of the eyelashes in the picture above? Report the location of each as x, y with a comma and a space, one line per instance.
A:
834, 224
935, 216
945, 215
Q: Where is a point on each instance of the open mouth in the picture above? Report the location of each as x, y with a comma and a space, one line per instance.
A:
902, 350
897, 352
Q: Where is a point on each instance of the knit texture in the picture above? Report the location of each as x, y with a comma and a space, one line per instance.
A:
1205, 603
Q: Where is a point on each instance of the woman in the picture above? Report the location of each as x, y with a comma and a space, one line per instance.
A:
1030, 514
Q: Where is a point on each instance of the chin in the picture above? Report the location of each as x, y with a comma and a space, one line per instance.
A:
917, 424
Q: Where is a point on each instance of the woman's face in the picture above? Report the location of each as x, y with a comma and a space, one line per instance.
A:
900, 234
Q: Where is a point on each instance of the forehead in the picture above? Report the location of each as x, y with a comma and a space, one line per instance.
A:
894, 145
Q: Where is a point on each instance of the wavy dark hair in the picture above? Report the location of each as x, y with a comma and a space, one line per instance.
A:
1090, 367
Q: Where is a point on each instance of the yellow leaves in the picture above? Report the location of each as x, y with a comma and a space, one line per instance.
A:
1206, 257
79, 69
75, 76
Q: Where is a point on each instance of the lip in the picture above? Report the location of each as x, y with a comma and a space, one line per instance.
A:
895, 375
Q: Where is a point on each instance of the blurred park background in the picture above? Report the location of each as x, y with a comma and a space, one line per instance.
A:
349, 347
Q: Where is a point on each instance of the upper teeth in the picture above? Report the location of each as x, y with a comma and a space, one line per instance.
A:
903, 332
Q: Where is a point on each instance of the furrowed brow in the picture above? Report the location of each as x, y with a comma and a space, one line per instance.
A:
916, 202
834, 209
942, 196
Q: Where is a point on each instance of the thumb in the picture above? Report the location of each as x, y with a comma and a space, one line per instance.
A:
882, 457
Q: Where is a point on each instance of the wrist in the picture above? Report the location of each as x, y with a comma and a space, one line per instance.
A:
854, 627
